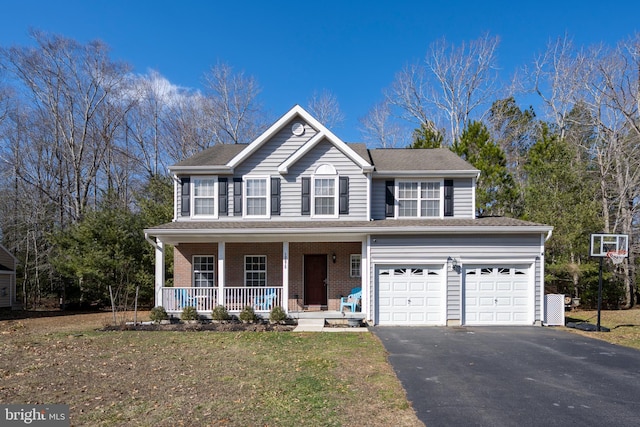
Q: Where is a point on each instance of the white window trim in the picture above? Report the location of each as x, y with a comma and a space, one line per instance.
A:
193, 196
359, 272
267, 179
419, 181
193, 269
325, 171
266, 276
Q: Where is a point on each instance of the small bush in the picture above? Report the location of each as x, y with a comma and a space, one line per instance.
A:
189, 313
158, 314
220, 313
248, 314
277, 314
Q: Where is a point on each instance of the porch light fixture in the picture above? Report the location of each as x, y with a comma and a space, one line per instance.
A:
4, 291
452, 263
333, 257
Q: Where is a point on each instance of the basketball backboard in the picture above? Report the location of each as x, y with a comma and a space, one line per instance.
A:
601, 244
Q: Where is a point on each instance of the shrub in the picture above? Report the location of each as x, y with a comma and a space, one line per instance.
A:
220, 313
189, 313
277, 314
157, 314
248, 314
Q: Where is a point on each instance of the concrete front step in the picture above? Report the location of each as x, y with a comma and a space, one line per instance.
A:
319, 325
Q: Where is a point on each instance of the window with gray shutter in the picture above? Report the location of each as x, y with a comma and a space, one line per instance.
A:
275, 196
185, 197
223, 196
448, 197
344, 195
306, 196
237, 196
389, 211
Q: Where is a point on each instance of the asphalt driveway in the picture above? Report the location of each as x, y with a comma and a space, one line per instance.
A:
514, 376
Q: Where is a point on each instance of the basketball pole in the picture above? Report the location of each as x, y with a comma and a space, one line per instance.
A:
599, 294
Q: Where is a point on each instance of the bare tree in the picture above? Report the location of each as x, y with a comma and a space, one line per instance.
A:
233, 105
71, 84
325, 108
379, 129
450, 86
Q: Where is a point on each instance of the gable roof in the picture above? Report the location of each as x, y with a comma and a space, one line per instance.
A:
421, 161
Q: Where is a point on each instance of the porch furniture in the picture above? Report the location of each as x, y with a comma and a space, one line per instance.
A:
265, 302
352, 300
184, 299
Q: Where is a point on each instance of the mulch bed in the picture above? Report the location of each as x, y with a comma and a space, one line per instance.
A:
208, 326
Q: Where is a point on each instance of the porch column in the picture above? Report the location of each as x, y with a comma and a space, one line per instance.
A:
365, 276
285, 276
159, 271
221, 273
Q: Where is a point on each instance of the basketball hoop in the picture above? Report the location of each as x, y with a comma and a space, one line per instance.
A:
617, 256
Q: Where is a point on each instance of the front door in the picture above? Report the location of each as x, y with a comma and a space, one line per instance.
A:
315, 280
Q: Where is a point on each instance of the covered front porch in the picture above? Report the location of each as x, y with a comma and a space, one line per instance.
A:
300, 277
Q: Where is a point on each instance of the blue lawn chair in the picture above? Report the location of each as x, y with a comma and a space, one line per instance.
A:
352, 300
265, 302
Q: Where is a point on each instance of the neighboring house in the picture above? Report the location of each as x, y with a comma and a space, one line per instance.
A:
298, 218
7, 278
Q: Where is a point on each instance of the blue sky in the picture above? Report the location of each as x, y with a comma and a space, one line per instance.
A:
293, 48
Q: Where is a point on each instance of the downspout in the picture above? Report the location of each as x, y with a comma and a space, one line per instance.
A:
150, 240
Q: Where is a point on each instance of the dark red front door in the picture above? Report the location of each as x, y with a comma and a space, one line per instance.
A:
315, 280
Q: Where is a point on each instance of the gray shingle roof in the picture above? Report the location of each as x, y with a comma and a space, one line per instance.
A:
371, 226
384, 159
217, 155
405, 159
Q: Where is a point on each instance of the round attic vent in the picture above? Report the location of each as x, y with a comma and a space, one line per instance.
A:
297, 129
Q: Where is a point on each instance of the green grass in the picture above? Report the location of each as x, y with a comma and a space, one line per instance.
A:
204, 378
624, 325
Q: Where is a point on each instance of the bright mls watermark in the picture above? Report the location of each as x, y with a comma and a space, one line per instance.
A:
34, 415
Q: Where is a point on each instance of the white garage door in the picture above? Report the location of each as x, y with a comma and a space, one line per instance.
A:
411, 295
497, 295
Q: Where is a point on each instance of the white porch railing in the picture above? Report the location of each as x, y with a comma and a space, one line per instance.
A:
262, 299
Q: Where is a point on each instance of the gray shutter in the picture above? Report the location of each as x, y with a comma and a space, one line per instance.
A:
237, 196
344, 195
223, 196
275, 196
389, 211
306, 196
185, 197
448, 197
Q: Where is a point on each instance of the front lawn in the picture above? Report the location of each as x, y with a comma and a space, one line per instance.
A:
199, 378
624, 325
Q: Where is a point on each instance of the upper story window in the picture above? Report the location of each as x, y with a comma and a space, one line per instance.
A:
257, 196
204, 196
419, 199
325, 195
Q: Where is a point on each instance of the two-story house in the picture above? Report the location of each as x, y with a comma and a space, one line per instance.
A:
298, 218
